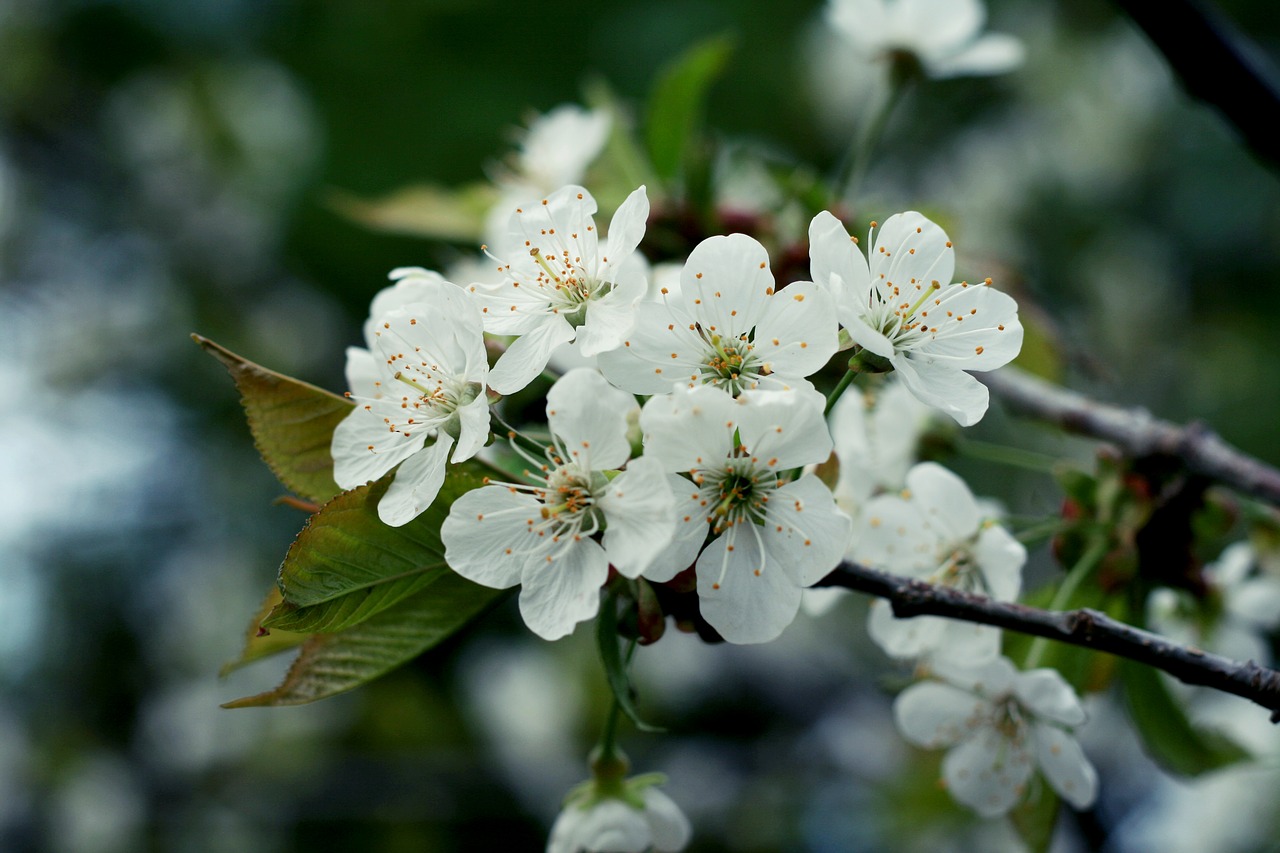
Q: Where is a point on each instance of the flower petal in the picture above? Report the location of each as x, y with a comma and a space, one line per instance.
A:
994, 53
607, 826
988, 772
944, 501
689, 428
639, 511
932, 714
799, 333
528, 354
416, 484
626, 229
1045, 693
563, 588
1064, 765
364, 449
589, 416
744, 597
1001, 558
952, 391
804, 532
668, 825
690, 532
487, 536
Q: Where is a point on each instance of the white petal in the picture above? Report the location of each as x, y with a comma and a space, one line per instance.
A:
644, 363
802, 321
487, 536
416, 484
903, 639
364, 449
836, 263
891, 535
528, 354
1001, 558
589, 416
932, 714
1232, 566
563, 588
667, 824
690, 428
949, 390
938, 26
610, 318
784, 429
728, 274
993, 679
608, 826
639, 510
977, 328
413, 284
362, 373
994, 53
944, 500
1064, 766
988, 772
1256, 602
473, 428
1045, 693
910, 246
740, 594
690, 532
864, 22
965, 642
626, 229
815, 533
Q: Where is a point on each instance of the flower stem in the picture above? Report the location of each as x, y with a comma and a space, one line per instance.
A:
1083, 568
1014, 457
853, 168
840, 388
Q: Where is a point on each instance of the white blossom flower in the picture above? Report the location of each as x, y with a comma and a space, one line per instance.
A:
554, 151
560, 284
1001, 725
876, 437
942, 35
903, 309
938, 534
642, 819
418, 393
541, 535
773, 535
725, 325
1248, 605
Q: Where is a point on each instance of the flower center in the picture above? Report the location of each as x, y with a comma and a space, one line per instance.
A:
571, 286
729, 363
735, 494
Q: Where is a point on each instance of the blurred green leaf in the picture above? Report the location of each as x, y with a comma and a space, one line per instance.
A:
676, 104
422, 211
348, 565
329, 664
1035, 817
292, 423
259, 644
1167, 735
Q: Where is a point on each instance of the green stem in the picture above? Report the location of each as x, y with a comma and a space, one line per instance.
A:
843, 384
607, 749
1066, 593
854, 166
1039, 532
1014, 457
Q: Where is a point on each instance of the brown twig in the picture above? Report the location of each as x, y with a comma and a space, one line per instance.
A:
1136, 432
1087, 628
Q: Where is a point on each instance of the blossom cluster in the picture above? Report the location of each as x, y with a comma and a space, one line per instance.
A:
724, 354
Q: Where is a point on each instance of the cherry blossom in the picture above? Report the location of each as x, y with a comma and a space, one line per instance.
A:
774, 535
418, 393
902, 308
726, 325
560, 284
1001, 725
639, 818
942, 35
542, 535
937, 534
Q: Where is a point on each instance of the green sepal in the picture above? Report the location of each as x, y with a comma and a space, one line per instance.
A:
292, 423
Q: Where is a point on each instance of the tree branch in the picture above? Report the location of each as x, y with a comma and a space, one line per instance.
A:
1087, 628
1136, 432
1217, 64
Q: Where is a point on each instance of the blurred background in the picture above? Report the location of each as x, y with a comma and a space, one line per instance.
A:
169, 166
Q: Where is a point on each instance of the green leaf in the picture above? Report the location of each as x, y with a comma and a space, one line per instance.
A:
292, 423
676, 104
259, 643
615, 668
329, 664
1167, 735
348, 565
1035, 817
422, 211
